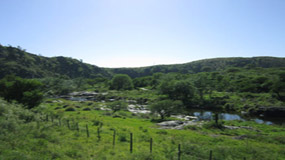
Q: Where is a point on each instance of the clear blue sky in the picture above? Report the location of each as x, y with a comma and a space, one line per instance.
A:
132, 33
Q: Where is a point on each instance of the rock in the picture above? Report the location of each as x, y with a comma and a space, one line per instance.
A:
131, 101
241, 127
138, 109
187, 118
84, 93
243, 112
170, 123
240, 137
111, 100
176, 124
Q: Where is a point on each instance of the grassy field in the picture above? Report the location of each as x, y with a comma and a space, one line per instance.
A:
55, 139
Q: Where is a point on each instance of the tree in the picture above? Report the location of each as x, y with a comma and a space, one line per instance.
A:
178, 90
166, 107
201, 85
58, 86
25, 91
142, 81
118, 105
278, 87
121, 82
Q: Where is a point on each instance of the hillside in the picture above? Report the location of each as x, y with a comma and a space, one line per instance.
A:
21, 63
206, 65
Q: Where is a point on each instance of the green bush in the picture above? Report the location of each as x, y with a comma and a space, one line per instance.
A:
70, 109
24, 91
121, 82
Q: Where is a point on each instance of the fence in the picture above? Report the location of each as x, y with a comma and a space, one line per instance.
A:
76, 127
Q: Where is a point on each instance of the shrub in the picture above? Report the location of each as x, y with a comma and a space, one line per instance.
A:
121, 82
163, 132
86, 109
24, 91
118, 105
70, 109
123, 138
97, 123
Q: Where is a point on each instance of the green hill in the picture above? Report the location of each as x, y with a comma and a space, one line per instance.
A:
206, 65
21, 63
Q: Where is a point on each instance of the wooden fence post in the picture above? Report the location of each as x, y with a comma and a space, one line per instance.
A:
131, 142
87, 131
114, 138
77, 126
98, 133
211, 152
68, 125
179, 151
150, 145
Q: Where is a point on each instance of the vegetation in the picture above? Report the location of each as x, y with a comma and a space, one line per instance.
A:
121, 82
118, 105
27, 92
84, 129
27, 134
166, 108
15, 60
21, 63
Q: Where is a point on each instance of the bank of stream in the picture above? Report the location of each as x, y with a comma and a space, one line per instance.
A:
199, 114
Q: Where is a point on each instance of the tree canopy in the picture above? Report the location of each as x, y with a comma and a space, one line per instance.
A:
24, 91
165, 108
121, 82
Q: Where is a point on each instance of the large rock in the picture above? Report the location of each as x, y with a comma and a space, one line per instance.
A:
170, 123
176, 124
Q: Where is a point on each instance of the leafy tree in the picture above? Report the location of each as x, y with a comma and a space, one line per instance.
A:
58, 86
278, 87
91, 82
142, 81
166, 108
178, 90
118, 105
156, 79
202, 85
79, 83
27, 92
121, 82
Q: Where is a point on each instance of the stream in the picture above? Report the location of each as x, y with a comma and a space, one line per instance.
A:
208, 115
196, 114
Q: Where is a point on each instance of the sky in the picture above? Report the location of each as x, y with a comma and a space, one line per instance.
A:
135, 33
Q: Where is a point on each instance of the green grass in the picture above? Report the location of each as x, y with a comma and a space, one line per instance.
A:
51, 141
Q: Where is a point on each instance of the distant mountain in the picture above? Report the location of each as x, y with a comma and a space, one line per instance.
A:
21, 63
206, 65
